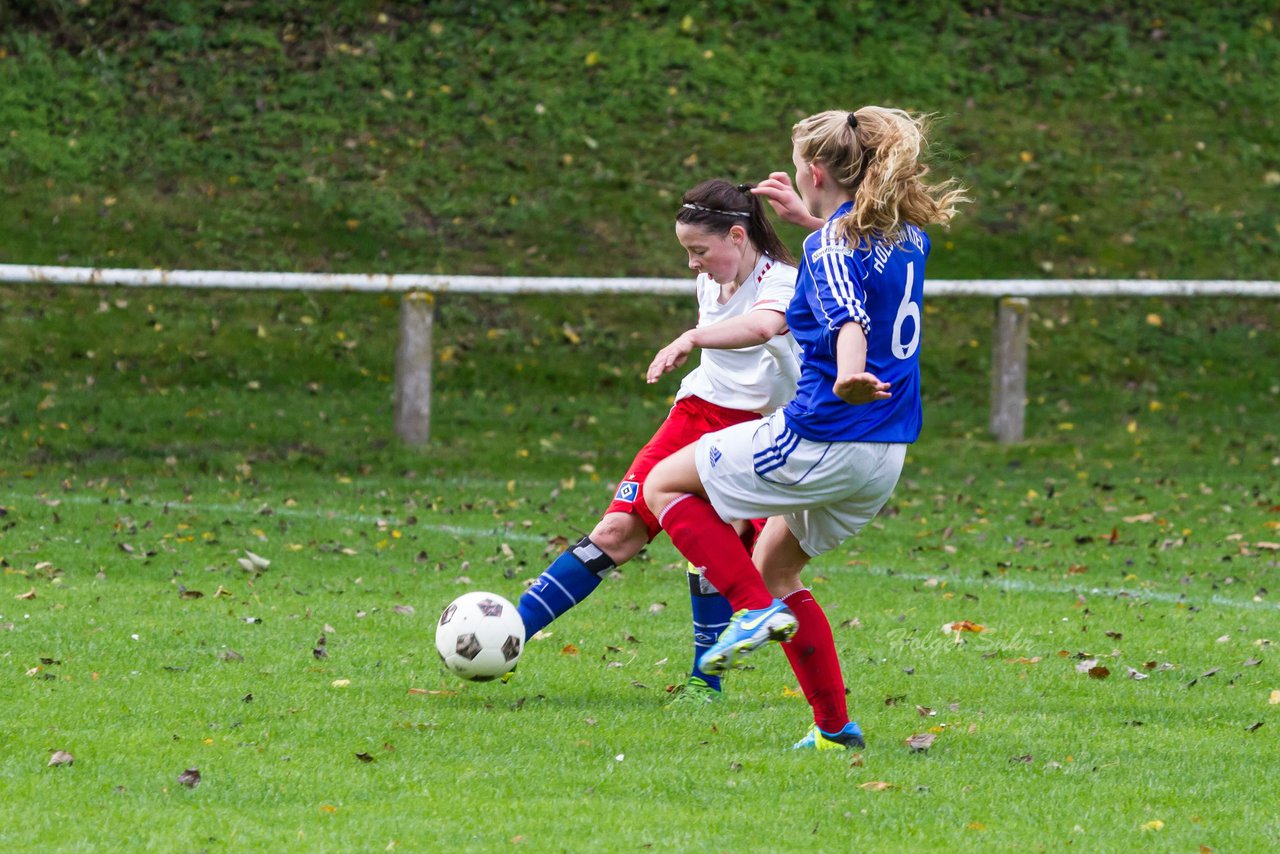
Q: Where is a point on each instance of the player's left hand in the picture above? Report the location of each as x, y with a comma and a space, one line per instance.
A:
860, 388
669, 358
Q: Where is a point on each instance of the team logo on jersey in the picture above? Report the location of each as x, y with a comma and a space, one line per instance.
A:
629, 491
715, 456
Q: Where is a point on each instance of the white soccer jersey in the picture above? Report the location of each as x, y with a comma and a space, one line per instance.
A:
754, 379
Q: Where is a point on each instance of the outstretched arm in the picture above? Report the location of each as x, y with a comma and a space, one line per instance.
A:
752, 328
786, 202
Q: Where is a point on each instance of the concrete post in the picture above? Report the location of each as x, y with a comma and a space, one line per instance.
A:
1009, 369
413, 368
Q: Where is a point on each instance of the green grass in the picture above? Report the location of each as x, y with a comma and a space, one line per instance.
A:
146, 447
149, 437
1100, 139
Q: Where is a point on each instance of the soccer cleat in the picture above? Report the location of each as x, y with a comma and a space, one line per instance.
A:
694, 694
849, 738
748, 631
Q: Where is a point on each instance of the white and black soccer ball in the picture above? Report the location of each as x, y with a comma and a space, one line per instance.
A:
480, 636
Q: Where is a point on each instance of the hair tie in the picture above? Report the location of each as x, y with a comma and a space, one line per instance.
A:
694, 207
744, 188
853, 121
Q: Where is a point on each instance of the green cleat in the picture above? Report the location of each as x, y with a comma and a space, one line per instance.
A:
694, 694
849, 738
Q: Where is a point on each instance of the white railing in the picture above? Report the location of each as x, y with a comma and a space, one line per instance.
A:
413, 354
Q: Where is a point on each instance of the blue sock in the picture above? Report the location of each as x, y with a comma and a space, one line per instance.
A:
711, 615
569, 580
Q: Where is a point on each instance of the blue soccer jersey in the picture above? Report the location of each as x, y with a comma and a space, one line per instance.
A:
879, 286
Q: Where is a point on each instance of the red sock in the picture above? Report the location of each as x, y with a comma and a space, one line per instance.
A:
711, 543
812, 653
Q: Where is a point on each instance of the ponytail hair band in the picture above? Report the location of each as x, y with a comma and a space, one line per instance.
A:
853, 121
694, 207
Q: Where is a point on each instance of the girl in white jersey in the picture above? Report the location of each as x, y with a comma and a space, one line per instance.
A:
825, 464
749, 367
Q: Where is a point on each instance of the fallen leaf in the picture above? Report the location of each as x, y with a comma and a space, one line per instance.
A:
407, 610
364, 757
1135, 674
340, 683
1086, 665
856, 760
876, 786
925, 711
1155, 824
1274, 699
190, 778
569, 649
30, 594
257, 561
61, 757
963, 626
1099, 672
1255, 727
920, 742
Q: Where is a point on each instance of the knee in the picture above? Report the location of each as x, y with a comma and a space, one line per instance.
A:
620, 536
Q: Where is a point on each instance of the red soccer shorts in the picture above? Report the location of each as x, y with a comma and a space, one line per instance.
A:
689, 419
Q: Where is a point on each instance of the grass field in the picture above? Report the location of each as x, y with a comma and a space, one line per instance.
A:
149, 439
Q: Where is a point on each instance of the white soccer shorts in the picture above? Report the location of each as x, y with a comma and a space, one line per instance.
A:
826, 491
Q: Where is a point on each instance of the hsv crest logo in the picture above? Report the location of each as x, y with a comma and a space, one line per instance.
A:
628, 490
490, 608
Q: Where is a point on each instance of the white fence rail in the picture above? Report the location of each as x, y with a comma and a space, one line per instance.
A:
413, 355
401, 282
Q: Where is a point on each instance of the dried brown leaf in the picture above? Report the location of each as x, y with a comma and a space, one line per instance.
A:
190, 778
61, 757
921, 741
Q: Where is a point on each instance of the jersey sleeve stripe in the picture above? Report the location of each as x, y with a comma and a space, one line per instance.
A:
841, 283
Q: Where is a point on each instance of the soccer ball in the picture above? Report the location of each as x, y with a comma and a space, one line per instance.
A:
480, 636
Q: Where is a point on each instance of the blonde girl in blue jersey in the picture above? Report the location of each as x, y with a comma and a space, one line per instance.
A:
822, 466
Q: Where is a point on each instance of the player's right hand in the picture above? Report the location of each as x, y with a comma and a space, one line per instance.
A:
784, 199
669, 358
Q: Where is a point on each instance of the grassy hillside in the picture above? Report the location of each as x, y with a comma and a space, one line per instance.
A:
1100, 139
